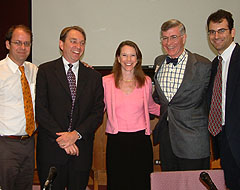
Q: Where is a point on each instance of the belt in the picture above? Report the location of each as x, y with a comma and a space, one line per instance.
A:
24, 137
21, 137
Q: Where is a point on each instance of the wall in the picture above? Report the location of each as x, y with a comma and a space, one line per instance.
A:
13, 12
108, 22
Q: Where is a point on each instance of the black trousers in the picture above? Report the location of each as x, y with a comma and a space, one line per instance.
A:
228, 163
16, 163
170, 162
129, 161
67, 177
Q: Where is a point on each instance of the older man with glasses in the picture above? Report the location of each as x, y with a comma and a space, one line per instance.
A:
181, 81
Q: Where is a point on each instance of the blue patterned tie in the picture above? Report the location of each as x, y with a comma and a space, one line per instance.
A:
215, 115
72, 85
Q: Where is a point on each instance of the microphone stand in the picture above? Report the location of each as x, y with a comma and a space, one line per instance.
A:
49, 187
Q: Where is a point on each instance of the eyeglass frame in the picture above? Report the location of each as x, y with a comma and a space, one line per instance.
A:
219, 31
173, 38
20, 43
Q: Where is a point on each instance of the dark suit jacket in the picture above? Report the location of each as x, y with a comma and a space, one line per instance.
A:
53, 106
232, 109
187, 111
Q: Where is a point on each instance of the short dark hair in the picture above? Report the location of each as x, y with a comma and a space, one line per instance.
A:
10, 31
66, 30
218, 16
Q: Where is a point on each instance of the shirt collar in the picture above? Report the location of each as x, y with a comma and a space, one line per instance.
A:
182, 57
227, 52
66, 63
13, 66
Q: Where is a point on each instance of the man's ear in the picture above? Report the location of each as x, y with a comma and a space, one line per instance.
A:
7, 43
61, 45
184, 38
233, 32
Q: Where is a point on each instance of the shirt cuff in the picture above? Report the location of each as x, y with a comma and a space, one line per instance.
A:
79, 136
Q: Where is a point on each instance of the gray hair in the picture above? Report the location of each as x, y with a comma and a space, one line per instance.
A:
171, 24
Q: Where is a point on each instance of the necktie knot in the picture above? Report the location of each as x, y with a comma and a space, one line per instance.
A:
174, 61
220, 58
21, 68
70, 66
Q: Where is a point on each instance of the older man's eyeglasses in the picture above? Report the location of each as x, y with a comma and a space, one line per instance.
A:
20, 43
219, 31
172, 38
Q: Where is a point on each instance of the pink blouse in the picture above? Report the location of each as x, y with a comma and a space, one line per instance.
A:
130, 110
128, 113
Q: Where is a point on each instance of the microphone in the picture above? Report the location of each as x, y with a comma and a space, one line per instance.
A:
51, 176
207, 180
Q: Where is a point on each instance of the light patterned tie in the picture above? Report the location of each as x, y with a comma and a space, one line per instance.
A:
72, 85
215, 115
28, 106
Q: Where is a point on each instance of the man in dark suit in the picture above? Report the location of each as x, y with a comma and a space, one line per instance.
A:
181, 82
69, 108
226, 137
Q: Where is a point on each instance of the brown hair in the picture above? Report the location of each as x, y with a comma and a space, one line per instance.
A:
138, 72
10, 31
65, 31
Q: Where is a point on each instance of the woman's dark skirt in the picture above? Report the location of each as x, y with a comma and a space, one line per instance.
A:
129, 161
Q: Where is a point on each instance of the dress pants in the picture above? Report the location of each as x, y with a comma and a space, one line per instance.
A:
16, 163
228, 163
68, 176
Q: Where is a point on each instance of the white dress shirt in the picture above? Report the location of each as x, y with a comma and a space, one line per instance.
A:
74, 68
12, 115
226, 55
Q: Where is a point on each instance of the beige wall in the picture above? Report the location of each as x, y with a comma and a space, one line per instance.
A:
108, 22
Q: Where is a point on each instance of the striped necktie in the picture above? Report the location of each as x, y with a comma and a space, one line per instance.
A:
215, 115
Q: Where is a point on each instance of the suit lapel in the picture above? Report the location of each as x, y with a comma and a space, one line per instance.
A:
157, 86
82, 79
61, 75
188, 76
233, 72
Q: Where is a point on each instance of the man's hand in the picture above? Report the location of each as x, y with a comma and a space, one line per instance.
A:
86, 65
67, 139
72, 150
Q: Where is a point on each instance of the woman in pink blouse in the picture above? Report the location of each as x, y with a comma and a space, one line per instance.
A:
128, 102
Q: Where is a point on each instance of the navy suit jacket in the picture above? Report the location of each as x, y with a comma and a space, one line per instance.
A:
232, 109
53, 107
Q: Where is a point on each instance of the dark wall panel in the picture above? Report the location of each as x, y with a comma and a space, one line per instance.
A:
13, 12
